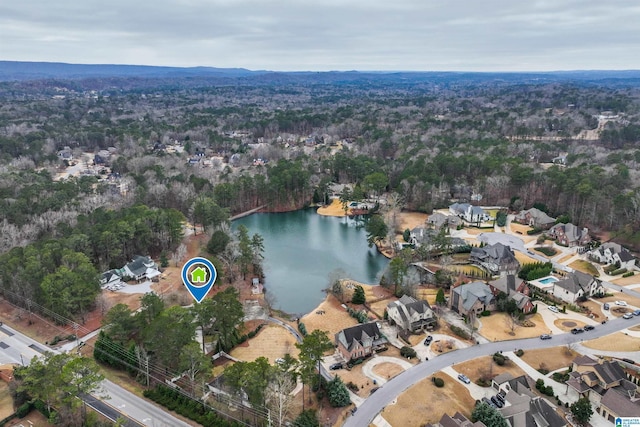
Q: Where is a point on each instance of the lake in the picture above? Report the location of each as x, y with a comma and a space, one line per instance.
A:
302, 248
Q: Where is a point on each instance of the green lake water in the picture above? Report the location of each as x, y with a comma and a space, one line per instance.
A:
302, 248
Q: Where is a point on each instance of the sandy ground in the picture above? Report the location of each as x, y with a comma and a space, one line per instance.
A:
485, 365
515, 227
549, 358
333, 209
495, 328
425, 403
614, 342
565, 258
271, 342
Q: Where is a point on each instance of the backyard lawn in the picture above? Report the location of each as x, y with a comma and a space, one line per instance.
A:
585, 267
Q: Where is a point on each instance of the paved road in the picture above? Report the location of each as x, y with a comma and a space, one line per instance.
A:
20, 349
393, 388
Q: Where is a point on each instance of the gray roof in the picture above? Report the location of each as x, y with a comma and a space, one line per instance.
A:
619, 402
472, 292
575, 281
498, 252
360, 333
538, 216
573, 232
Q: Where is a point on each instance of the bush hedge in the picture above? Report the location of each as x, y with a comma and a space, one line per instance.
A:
192, 409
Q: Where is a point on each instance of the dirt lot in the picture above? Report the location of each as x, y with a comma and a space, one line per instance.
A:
485, 365
495, 328
425, 403
631, 280
271, 342
567, 324
585, 267
549, 358
614, 342
387, 370
411, 220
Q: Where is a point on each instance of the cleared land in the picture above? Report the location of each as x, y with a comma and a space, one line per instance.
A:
549, 358
631, 280
424, 402
333, 319
567, 324
614, 342
411, 220
524, 259
271, 342
496, 328
486, 367
387, 369
333, 209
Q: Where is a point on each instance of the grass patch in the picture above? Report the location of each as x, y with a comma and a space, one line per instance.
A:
585, 267
546, 250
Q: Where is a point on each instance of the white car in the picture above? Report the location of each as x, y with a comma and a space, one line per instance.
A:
464, 378
553, 308
621, 303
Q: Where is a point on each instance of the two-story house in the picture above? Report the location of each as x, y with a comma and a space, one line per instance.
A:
534, 217
411, 315
359, 341
474, 296
524, 407
470, 213
576, 285
497, 259
606, 386
569, 234
613, 253
515, 289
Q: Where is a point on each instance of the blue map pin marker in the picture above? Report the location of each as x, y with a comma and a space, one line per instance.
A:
198, 276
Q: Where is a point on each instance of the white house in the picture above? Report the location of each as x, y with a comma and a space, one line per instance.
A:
576, 285
410, 314
469, 213
613, 253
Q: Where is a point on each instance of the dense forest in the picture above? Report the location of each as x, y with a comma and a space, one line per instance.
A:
94, 171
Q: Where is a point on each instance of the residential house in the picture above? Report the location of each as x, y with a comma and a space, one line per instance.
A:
606, 386
437, 220
359, 341
433, 240
576, 285
613, 253
418, 273
109, 278
65, 154
475, 296
141, 268
569, 234
523, 407
470, 213
518, 292
458, 420
497, 259
411, 315
535, 218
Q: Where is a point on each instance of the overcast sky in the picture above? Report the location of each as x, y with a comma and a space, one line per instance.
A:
424, 35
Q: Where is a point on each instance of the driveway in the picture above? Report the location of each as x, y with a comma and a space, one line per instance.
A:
367, 368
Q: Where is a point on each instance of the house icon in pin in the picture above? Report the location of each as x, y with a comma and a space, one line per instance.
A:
199, 275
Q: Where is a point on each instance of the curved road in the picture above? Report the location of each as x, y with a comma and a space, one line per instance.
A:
393, 388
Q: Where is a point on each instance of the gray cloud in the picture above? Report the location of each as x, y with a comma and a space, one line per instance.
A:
327, 35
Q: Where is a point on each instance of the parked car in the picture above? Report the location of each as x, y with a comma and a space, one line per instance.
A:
636, 312
621, 303
428, 340
545, 337
464, 378
496, 402
589, 328
605, 306
627, 316
500, 397
489, 402
335, 366
604, 321
553, 308
577, 331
